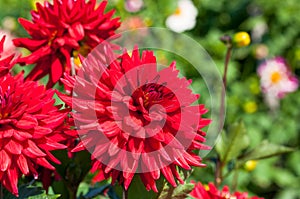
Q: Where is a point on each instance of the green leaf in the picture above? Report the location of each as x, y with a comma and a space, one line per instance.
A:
229, 146
72, 170
25, 191
44, 196
179, 192
265, 150
93, 192
137, 189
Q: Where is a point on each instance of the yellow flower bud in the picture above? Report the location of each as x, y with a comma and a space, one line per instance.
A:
250, 107
241, 39
250, 165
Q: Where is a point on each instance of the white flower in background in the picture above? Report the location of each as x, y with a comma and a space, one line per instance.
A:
133, 5
276, 80
184, 17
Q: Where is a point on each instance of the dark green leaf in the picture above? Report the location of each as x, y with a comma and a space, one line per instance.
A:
179, 192
44, 196
25, 191
229, 146
265, 150
137, 189
96, 191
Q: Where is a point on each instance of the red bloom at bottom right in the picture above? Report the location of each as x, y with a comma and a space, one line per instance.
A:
211, 192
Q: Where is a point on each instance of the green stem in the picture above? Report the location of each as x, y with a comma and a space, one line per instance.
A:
72, 192
218, 173
235, 180
1, 192
220, 164
125, 193
227, 59
73, 70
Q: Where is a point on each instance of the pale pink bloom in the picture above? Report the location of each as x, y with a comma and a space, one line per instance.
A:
134, 5
276, 80
8, 47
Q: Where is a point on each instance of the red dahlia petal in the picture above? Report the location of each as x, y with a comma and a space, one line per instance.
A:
22, 164
76, 31
4, 160
13, 147
27, 122
33, 151
56, 70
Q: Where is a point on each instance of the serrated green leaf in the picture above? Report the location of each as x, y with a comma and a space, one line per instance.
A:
179, 192
265, 150
229, 146
44, 196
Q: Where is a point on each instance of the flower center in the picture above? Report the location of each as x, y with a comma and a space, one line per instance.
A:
177, 11
151, 94
83, 50
52, 38
3, 116
275, 77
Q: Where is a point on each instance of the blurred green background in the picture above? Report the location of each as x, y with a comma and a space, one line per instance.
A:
274, 26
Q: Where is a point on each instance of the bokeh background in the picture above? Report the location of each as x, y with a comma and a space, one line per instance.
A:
274, 26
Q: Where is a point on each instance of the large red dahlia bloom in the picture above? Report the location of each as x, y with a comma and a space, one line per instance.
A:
135, 119
6, 62
211, 192
61, 30
29, 129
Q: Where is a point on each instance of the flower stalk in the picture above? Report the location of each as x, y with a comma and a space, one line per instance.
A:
1, 192
125, 193
219, 164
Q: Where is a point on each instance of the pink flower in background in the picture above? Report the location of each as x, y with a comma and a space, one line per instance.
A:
134, 5
8, 45
6, 60
276, 80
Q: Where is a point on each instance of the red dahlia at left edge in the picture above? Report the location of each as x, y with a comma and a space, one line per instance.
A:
63, 30
30, 126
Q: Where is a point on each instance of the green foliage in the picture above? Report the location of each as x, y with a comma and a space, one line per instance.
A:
229, 146
265, 150
179, 192
30, 192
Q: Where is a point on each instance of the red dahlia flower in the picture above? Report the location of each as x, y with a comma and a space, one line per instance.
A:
6, 63
211, 192
29, 129
135, 119
61, 30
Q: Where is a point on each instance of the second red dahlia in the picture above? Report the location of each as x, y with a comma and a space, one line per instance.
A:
63, 30
29, 129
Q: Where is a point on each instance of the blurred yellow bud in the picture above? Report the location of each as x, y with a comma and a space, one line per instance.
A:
206, 187
33, 3
250, 107
250, 165
241, 39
